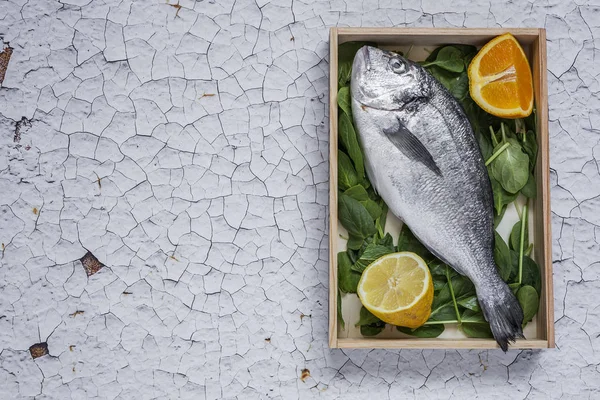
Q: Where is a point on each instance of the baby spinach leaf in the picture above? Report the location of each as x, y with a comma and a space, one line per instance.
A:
502, 257
514, 287
355, 217
478, 119
345, 101
340, 318
354, 242
369, 324
444, 312
438, 282
371, 253
366, 318
437, 268
530, 147
357, 192
346, 174
485, 145
529, 301
372, 207
380, 221
531, 273
408, 242
425, 331
462, 287
471, 316
501, 196
347, 278
373, 329
530, 190
498, 217
469, 302
474, 325
476, 330
467, 51
349, 141
456, 83
344, 73
515, 237
449, 58
511, 167
387, 241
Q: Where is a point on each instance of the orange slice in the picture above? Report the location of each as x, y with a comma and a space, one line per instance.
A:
500, 78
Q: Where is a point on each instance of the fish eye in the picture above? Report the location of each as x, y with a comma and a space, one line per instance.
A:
397, 66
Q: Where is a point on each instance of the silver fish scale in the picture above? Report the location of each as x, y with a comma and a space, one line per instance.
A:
451, 213
423, 159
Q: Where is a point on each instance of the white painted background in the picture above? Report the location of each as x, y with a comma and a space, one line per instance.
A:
211, 211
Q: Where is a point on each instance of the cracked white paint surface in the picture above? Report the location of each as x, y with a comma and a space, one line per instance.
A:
186, 148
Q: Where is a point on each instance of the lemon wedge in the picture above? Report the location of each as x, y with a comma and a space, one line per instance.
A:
398, 289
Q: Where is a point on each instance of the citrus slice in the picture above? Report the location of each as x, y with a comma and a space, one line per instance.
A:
500, 78
397, 288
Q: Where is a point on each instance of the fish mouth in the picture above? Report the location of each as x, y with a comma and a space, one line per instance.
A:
367, 57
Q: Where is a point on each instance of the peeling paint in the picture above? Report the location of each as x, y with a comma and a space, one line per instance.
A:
186, 149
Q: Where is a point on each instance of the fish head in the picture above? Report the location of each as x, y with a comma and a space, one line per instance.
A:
385, 80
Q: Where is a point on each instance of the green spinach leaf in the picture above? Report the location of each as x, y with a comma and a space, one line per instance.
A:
448, 58
354, 243
502, 257
373, 329
346, 174
511, 167
408, 242
529, 301
347, 278
369, 324
371, 253
469, 302
530, 190
357, 192
498, 217
531, 273
457, 84
444, 312
366, 318
474, 325
380, 221
372, 207
425, 331
345, 101
515, 237
530, 147
501, 196
387, 241
514, 287
349, 141
467, 51
355, 217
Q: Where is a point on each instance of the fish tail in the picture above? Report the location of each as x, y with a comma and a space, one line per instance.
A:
502, 310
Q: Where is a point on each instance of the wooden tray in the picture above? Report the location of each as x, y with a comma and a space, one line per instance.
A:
534, 42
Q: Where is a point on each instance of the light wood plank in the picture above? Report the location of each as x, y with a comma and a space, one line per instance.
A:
541, 85
333, 215
434, 36
367, 343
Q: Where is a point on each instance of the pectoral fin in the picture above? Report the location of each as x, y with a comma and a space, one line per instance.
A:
411, 146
